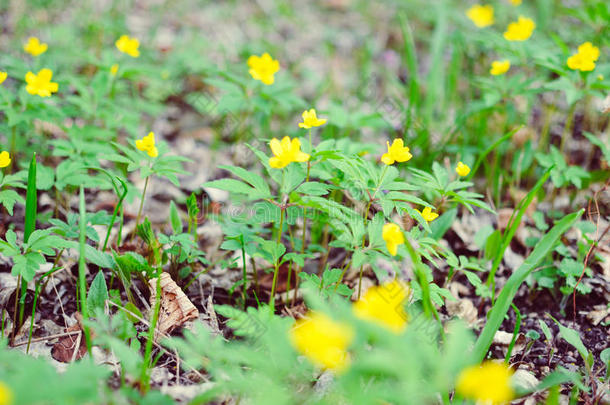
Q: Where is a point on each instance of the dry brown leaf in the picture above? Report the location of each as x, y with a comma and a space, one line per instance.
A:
176, 308
74, 346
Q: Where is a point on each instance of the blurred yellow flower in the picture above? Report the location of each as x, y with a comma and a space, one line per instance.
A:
6, 394
384, 305
393, 237
40, 83
34, 47
584, 59
114, 69
128, 45
515, 2
147, 144
322, 340
520, 30
396, 153
3, 76
310, 120
263, 68
499, 67
481, 15
488, 383
5, 159
286, 152
462, 169
427, 214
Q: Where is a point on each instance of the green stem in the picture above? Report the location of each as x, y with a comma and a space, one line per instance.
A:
140, 209
277, 262
245, 275
145, 376
366, 218
82, 267
567, 129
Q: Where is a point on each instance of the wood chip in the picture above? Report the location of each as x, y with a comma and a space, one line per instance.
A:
176, 308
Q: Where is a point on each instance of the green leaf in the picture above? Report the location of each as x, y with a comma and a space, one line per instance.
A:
500, 308
174, 218
256, 181
573, 338
98, 292
31, 204
313, 188
9, 198
234, 186
442, 224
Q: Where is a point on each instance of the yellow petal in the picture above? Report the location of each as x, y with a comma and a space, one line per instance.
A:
276, 147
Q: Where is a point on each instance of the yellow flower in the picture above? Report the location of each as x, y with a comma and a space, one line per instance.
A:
515, 2
396, 153
499, 67
286, 152
128, 45
520, 30
427, 214
6, 394
384, 305
310, 120
488, 382
147, 144
114, 69
392, 235
584, 59
322, 340
41, 84
34, 47
263, 68
5, 159
3, 76
462, 169
481, 15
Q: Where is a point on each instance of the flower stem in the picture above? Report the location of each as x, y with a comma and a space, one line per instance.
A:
366, 218
140, 209
277, 261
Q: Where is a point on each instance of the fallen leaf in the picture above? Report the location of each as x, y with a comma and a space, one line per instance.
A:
176, 308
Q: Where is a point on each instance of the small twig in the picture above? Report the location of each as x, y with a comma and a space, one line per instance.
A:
77, 346
50, 337
593, 246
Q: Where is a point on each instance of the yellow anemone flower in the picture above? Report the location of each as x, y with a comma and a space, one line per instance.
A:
427, 214
147, 144
34, 47
462, 169
393, 237
322, 340
481, 15
488, 383
114, 69
5, 159
499, 67
520, 30
310, 120
128, 45
584, 59
285, 152
384, 305
6, 394
3, 76
263, 68
396, 153
40, 83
